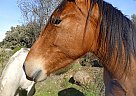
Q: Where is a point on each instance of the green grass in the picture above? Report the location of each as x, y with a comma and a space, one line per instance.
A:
60, 85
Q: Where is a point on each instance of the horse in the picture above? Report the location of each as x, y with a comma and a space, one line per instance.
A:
13, 81
80, 26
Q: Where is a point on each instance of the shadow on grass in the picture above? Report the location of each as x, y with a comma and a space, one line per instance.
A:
70, 92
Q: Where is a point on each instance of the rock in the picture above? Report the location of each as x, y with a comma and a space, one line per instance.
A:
82, 78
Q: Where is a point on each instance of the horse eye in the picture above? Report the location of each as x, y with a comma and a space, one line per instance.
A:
55, 21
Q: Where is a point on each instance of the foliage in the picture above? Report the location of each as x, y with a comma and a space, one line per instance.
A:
21, 36
35, 13
133, 18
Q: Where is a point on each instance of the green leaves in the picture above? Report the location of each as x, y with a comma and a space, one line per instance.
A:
133, 18
21, 36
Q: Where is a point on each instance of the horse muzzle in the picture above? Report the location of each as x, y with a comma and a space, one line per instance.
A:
35, 75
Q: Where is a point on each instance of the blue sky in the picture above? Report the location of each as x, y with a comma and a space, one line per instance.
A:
10, 14
128, 7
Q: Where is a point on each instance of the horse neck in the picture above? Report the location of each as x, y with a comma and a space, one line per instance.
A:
117, 47
119, 71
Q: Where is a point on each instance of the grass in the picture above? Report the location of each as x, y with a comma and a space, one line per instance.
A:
60, 85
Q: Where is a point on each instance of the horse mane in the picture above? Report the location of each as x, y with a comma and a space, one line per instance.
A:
118, 33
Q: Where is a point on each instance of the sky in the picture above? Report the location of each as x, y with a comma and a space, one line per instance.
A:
10, 14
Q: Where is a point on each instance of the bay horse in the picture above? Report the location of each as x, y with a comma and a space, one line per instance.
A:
13, 81
79, 26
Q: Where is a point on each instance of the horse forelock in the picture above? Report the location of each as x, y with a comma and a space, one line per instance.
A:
118, 33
